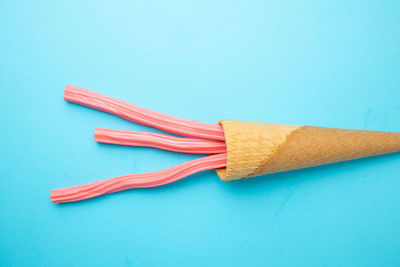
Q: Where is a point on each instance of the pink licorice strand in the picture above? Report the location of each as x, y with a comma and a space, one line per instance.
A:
133, 115
161, 141
151, 179
144, 116
129, 181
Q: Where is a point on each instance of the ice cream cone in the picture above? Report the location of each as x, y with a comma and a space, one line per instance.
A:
261, 148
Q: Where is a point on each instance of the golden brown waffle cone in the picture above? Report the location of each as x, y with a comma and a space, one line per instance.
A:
256, 148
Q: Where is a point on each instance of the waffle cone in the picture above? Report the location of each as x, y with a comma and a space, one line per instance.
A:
261, 148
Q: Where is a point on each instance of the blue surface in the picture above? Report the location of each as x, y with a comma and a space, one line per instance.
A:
327, 63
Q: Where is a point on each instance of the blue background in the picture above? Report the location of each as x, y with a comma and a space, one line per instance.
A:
324, 63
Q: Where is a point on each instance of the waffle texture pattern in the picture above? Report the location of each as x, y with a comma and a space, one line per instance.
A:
256, 148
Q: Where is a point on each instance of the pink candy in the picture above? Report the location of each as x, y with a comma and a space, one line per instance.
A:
202, 138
